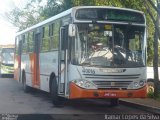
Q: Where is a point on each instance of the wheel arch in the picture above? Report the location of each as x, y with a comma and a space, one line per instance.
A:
150, 80
53, 75
22, 73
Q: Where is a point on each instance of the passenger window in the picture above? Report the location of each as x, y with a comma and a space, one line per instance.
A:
30, 42
24, 43
45, 39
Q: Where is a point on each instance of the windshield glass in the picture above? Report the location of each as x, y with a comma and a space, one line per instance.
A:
106, 45
7, 55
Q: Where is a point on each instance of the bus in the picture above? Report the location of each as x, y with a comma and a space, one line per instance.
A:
7, 61
86, 52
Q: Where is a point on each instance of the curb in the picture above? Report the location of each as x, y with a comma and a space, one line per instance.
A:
153, 110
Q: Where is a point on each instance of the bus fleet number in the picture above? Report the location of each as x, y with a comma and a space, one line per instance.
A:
88, 71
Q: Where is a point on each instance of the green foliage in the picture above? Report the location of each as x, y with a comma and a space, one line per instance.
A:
150, 94
51, 8
150, 51
97, 2
26, 17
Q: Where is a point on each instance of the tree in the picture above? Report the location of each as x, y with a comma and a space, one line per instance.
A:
151, 5
26, 17
51, 8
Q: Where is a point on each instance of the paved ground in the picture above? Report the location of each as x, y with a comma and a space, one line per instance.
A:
147, 101
13, 100
147, 104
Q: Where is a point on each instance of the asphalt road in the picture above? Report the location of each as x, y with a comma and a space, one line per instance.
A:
14, 101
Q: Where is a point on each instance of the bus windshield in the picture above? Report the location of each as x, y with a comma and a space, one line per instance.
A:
7, 55
106, 45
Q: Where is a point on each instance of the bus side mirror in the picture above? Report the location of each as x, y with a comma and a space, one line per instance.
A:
72, 30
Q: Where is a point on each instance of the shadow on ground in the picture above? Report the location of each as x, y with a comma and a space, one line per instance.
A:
6, 75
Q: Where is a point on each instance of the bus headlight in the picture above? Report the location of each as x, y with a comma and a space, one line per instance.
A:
136, 84
84, 84
141, 83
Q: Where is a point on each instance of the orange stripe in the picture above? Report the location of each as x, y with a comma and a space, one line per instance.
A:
77, 92
34, 66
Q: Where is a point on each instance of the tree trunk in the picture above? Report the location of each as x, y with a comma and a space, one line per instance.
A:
155, 65
155, 61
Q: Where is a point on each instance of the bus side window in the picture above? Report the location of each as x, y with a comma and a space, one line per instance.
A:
51, 36
24, 43
135, 42
30, 42
56, 30
45, 39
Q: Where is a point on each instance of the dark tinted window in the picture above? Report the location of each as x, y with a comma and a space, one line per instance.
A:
109, 14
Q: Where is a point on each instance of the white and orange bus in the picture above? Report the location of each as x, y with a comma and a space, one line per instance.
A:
85, 52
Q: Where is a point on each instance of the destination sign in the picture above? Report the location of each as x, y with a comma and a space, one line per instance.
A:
109, 15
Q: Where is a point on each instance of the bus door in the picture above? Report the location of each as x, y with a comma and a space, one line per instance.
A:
36, 81
63, 62
17, 72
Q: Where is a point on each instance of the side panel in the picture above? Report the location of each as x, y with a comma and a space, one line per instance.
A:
26, 63
31, 68
48, 64
34, 70
34, 58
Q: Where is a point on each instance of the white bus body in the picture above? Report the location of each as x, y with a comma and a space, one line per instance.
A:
57, 55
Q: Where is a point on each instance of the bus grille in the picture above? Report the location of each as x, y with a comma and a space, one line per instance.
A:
112, 81
113, 77
112, 84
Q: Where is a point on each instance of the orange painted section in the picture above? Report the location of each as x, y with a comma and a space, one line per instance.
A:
77, 92
16, 67
34, 66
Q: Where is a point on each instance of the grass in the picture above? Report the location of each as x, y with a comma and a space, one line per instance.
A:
158, 98
151, 95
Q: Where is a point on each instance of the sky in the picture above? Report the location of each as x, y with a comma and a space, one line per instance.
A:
7, 30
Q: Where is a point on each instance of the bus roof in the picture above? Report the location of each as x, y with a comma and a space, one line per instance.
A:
72, 11
67, 12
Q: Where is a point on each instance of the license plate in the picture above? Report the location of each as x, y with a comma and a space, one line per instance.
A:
110, 94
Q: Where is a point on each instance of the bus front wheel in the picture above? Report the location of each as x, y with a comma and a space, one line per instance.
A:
56, 100
150, 87
114, 101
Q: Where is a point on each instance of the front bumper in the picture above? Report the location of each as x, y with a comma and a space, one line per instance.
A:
77, 93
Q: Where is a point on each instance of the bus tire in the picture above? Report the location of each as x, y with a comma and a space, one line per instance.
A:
26, 88
114, 101
150, 87
56, 100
